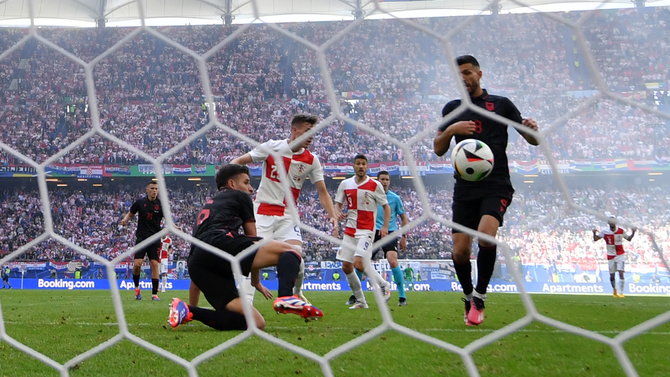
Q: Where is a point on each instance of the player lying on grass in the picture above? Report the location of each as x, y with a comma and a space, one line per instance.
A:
217, 224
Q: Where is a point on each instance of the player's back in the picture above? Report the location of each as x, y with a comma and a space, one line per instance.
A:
226, 212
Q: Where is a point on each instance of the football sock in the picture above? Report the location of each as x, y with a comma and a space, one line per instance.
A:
250, 290
300, 277
464, 273
359, 274
154, 286
621, 285
136, 280
372, 274
399, 280
612, 281
219, 319
486, 261
288, 267
355, 285
164, 282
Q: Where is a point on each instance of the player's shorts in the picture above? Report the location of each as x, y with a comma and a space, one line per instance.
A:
150, 250
391, 244
164, 266
213, 274
616, 264
359, 246
470, 212
5, 278
278, 228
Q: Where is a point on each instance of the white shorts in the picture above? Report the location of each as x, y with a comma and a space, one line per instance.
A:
278, 228
616, 264
359, 246
164, 266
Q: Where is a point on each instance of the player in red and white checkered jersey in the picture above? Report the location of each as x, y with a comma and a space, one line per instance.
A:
272, 221
616, 256
164, 255
362, 195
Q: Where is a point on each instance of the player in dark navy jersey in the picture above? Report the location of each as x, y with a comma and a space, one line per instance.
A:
150, 215
218, 224
479, 205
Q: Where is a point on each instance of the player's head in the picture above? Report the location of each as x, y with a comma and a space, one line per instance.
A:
470, 72
152, 189
235, 177
612, 222
360, 165
300, 124
385, 179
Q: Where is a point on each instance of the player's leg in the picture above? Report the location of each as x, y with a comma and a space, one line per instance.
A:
286, 230
264, 230
620, 268
154, 262
193, 294
163, 271
611, 264
346, 255
398, 276
363, 262
137, 269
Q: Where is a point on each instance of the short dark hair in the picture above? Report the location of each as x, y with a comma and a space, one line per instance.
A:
299, 119
152, 182
383, 172
360, 156
465, 59
228, 172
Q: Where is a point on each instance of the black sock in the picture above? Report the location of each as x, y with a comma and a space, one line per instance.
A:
287, 271
154, 286
464, 273
136, 280
219, 319
486, 261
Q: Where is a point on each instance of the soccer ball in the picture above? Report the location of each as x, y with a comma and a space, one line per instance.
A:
472, 160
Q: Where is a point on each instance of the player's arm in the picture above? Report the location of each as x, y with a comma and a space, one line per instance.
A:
446, 132
133, 210
256, 283
514, 114
327, 203
384, 231
403, 240
247, 214
339, 199
632, 234
242, 160
596, 237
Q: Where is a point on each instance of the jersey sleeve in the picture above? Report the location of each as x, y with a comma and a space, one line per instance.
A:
511, 112
399, 208
601, 234
339, 197
448, 108
316, 174
246, 207
260, 154
380, 195
135, 208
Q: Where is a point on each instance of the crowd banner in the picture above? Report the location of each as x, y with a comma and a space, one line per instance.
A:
99, 171
420, 275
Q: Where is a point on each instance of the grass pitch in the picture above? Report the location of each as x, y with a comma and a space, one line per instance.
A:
63, 324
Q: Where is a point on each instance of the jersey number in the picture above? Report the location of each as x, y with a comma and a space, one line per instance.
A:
202, 216
273, 172
350, 201
150, 216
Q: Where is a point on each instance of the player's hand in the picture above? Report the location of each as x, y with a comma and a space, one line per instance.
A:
464, 127
341, 215
634, 229
336, 226
124, 222
264, 291
594, 231
384, 231
530, 123
403, 244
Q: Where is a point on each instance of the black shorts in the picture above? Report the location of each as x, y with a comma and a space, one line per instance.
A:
213, 274
469, 212
5, 278
150, 250
391, 244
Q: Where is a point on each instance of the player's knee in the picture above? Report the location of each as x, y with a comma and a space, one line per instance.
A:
358, 264
347, 267
260, 322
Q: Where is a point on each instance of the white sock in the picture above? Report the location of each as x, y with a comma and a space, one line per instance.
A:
355, 286
297, 288
164, 283
469, 297
621, 285
250, 290
479, 295
372, 274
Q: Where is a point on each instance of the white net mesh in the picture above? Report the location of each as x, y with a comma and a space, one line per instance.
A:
320, 53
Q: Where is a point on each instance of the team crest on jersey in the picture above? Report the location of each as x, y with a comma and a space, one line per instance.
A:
367, 197
490, 106
156, 207
301, 168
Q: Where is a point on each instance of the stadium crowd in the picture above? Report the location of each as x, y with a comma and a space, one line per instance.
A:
387, 75
539, 225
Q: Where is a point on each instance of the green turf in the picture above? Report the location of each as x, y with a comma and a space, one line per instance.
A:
63, 324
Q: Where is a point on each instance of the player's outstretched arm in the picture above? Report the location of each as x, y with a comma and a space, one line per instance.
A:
242, 160
632, 234
327, 203
126, 218
530, 123
596, 237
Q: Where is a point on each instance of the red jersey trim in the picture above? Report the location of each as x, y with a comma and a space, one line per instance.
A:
369, 185
271, 209
350, 232
305, 157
